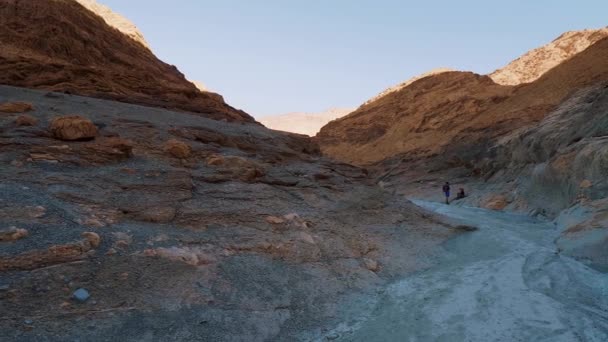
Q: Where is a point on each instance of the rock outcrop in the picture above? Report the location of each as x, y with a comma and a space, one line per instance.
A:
60, 45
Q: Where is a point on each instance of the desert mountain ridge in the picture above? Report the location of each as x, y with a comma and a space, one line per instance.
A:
303, 123
529, 66
448, 110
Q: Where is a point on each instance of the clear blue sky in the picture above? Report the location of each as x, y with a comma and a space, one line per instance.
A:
278, 56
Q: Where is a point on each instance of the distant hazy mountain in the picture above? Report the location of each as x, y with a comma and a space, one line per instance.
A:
303, 123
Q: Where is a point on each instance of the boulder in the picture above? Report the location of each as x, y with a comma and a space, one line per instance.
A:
72, 128
93, 238
178, 149
16, 107
26, 120
12, 234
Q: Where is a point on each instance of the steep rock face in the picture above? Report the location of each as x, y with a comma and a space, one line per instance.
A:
59, 45
456, 114
303, 123
537, 62
559, 167
115, 20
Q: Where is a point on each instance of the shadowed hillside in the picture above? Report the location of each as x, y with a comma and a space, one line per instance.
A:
59, 45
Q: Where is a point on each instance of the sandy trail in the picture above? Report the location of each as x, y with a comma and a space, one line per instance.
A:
504, 282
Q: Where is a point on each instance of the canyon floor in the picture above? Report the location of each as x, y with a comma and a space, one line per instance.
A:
503, 282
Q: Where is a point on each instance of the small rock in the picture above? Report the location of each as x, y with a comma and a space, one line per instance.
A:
585, 184
26, 120
292, 217
28, 322
332, 336
178, 149
93, 238
17, 163
371, 264
93, 222
274, 220
38, 211
81, 295
466, 228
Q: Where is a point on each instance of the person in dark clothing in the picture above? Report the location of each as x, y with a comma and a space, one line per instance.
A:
460, 194
446, 192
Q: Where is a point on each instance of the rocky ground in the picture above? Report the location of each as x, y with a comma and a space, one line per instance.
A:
121, 222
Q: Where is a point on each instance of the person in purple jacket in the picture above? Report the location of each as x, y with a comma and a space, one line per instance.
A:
446, 192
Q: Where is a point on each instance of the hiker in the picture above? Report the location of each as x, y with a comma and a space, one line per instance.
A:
460, 194
446, 192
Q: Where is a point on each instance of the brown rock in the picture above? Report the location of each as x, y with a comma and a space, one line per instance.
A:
497, 202
15, 107
178, 149
12, 234
585, 184
234, 167
93, 238
26, 120
72, 128
156, 214
274, 220
40, 258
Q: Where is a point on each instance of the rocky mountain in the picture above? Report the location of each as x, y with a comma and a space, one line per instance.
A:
60, 45
303, 123
455, 114
537, 62
407, 83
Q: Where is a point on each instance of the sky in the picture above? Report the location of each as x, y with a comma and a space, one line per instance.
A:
272, 57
